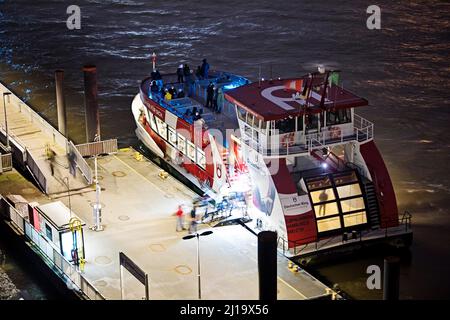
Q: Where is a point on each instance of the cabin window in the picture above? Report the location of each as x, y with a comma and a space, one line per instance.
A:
172, 136
48, 232
249, 119
300, 123
328, 224
241, 113
322, 195
352, 204
349, 190
152, 121
326, 209
354, 219
263, 125
182, 143
285, 126
312, 121
337, 201
191, 151
162, 128
201, 158
338, 117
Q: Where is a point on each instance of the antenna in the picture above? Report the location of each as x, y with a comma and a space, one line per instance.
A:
271, 74
259, 77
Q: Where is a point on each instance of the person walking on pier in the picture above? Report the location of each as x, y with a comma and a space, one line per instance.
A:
51, 158
193, 225
180, 219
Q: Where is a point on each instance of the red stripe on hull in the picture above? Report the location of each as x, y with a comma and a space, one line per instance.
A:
383, 184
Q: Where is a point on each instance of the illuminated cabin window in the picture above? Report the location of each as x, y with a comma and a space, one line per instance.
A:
322, 195
337, 197
172, 136
319, 183
326, 209
191, 151
352, 204
354, 219
328, 224
162, 128
349, 190
182, 143
345, 178
201, 158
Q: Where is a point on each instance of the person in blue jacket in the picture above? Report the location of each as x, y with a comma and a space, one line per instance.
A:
205, 69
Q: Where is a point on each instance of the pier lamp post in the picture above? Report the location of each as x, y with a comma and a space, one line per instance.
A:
198, 235
97, 206
6, 118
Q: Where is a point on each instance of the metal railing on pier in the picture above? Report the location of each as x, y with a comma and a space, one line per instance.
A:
74, 278
99, 147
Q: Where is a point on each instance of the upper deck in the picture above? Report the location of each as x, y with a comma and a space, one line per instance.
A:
195, 93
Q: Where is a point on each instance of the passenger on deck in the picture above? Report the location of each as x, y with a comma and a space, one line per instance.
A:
154, 87
180, 73
205, 69
186, 72
215, 95
219, 100
209, 95
167, 95
172, 91
180, 93
198, 73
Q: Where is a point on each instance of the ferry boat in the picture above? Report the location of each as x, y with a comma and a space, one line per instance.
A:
316, 175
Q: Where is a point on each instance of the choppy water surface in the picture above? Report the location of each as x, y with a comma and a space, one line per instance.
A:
402, 70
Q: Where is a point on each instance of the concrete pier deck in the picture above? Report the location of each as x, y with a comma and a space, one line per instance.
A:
27, 129
138, 215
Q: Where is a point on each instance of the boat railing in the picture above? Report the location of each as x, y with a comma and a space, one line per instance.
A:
362, 130
298, 247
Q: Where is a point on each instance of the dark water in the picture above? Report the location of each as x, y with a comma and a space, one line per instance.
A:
402, 69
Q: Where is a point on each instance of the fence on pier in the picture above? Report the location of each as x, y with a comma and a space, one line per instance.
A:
99, 147
74, 278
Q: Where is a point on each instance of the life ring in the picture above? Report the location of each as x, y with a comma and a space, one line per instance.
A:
335, 132
287, 140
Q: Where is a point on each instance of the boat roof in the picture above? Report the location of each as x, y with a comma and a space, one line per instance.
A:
273, 99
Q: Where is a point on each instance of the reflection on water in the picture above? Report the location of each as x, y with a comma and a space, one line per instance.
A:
401, 69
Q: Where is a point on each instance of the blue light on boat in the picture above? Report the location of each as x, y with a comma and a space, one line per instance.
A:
230, 86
